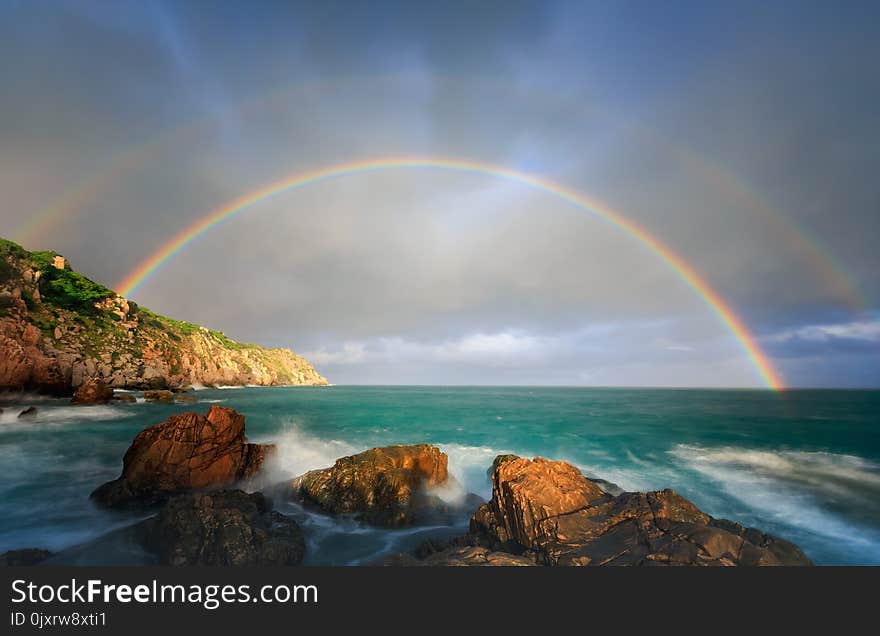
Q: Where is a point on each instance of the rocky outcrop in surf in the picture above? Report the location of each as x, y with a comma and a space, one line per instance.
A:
93, 391
384, 486
542, 512
185, 452
226, 527
549, 512
58, 330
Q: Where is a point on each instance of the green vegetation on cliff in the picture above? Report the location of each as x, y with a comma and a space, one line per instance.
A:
87, 330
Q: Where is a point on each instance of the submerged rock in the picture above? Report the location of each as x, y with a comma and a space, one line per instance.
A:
383, 486
24, 556
185, 452
227, 527
94, 391
551, 509
28, 414
159, 395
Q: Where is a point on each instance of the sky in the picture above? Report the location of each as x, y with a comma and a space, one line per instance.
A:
744, 136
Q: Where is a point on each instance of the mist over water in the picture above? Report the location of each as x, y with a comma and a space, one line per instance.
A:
804, 465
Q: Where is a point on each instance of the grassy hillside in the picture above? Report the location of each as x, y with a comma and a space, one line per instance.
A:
88, 330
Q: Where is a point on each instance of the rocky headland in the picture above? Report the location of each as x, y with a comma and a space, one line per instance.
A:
60, 330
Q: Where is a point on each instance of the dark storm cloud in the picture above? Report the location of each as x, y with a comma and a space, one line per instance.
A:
696, 121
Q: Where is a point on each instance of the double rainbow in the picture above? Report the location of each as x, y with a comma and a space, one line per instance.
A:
684, 270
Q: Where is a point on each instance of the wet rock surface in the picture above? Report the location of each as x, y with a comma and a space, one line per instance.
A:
222, 528
29, 413
23, 557
185, 452
159, 395
387, 486
550, 509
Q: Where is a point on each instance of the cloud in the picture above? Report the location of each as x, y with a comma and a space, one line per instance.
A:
350, 353
861, 331
432, 276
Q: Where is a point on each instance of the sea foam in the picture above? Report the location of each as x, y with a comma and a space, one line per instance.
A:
803, 489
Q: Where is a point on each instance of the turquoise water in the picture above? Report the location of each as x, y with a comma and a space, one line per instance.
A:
804, 465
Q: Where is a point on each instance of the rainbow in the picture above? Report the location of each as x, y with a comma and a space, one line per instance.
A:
684, 270
810, 248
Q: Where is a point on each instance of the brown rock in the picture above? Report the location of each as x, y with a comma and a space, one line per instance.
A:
227, 527
94, 391
186, 452
552, 509
124, 397
159, 395
457, 556
384, 486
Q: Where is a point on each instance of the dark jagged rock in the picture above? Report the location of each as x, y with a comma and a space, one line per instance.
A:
460, 556
28, 414
383, 486
185, 452
227, 527
93, 391
551, 509
25, 556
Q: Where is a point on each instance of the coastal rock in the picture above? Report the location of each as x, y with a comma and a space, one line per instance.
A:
383, 486
124, 397
457, 556
550, 508
23, 557
185, 452
227, 527
159, 395
94, 391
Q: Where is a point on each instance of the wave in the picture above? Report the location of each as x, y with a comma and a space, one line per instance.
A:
58, 415
830, 494
298, 451
838, 474
469, 466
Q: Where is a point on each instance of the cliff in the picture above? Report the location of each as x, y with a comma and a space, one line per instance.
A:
58, 329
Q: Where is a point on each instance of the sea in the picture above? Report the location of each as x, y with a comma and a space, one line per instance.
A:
801, 464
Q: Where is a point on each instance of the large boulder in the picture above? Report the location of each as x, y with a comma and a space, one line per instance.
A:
550, 509
227, 527
185, 452
384, 486
94, 391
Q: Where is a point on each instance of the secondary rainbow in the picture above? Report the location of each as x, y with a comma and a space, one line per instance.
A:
683, 269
